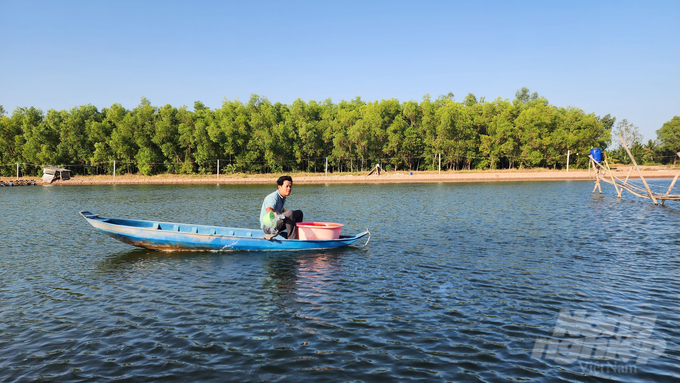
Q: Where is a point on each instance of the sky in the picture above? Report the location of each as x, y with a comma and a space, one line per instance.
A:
604, 57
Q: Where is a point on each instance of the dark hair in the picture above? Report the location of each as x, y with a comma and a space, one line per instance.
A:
283, 178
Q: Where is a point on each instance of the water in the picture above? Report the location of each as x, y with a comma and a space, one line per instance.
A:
457, 283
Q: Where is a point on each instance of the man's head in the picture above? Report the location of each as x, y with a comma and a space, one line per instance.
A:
285, 185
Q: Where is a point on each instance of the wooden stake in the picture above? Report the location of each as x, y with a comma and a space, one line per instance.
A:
671, 187
596, 170
568, 152
651, 195
626, 181
599, 186
612, 177
629, 171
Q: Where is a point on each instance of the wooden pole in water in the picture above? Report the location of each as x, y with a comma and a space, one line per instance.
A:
670, 187
597, 176
612, 177
629, 171
626, 180
651, 195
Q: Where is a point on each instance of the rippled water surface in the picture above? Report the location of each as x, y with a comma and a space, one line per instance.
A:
457, 283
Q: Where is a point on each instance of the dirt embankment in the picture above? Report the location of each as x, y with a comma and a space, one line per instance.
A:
362, 178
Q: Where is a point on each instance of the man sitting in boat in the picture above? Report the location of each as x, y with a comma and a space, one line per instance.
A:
274, 217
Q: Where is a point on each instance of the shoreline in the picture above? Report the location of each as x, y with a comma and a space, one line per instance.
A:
511, 175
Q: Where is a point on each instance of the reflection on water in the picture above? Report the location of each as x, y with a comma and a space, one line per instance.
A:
457, 284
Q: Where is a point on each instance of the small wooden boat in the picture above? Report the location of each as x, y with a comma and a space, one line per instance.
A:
179, 236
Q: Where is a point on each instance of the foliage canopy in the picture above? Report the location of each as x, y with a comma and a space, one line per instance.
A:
261, 136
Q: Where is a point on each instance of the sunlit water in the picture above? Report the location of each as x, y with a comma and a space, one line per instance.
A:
457, 283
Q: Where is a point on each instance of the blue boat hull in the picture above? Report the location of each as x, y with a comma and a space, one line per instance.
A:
169, 236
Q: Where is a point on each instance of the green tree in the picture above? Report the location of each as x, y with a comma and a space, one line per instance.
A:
260, 136
142, 120
632, 137
501, 144
99, 131
305, 121
669, 135
40, 139
412, 146
428, 130
122, 140
232, 133
263, 150
11, 140
76, 145
456, 134
579, 132
470, 100
207, 151
628, 131
523, 96
166, 137
338, 132
536, 125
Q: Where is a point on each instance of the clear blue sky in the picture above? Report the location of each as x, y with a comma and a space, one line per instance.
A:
618, 57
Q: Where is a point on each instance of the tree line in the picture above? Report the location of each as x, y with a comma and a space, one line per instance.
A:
260, 136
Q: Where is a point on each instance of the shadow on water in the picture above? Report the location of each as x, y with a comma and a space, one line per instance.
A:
122, 260
317, 267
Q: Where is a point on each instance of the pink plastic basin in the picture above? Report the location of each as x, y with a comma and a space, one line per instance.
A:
309, 231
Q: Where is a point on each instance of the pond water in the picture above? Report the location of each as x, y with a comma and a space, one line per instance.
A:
459, 282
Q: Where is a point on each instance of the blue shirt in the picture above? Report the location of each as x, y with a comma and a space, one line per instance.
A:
275, 201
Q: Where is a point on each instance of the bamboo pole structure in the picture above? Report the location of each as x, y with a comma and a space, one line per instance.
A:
597, 175
626, 181
651, 195
670, 187
612, 177
602, 168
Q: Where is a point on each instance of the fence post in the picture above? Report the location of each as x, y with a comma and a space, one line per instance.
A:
17, 170
440, 163
568, 152
114, 170
218, 169
326, 166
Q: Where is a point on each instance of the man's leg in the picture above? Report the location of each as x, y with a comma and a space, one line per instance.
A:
291, 218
